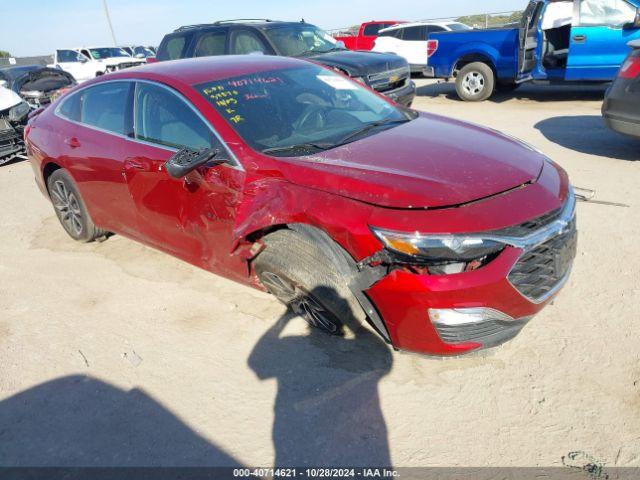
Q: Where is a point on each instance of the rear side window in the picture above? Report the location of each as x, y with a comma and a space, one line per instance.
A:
606, 12
70, 108
106, 106
434, 29
414, 33
164, 118
211, 44
173, 48
396, 33
244, 42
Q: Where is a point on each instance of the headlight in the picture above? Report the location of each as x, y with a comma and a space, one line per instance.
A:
445, 254
18, 112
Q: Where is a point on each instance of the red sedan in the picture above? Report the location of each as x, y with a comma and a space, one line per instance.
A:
281, 174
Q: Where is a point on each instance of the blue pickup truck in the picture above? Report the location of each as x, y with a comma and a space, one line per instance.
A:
557, 41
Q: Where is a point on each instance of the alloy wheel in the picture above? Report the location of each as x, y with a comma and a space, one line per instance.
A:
301, 302
67, 207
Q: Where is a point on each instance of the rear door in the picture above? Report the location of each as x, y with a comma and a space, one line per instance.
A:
528, 38
599, 38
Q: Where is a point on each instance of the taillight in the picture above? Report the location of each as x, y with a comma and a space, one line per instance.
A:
631, 67
432, 46
152, 60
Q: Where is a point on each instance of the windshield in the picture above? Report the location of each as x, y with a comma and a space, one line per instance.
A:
299, 111
101, 53
295, 40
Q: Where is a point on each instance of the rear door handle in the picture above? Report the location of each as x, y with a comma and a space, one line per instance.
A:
579, 38
73, 142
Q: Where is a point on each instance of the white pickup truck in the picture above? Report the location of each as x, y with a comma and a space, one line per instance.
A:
89, 62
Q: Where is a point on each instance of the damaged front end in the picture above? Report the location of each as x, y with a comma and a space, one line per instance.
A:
12, 123
41, 87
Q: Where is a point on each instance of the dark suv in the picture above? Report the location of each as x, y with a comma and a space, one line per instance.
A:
386, 73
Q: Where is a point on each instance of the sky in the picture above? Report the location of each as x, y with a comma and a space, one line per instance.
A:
75, 23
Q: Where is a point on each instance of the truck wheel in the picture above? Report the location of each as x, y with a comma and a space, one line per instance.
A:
70, 208
295, 270
475, 82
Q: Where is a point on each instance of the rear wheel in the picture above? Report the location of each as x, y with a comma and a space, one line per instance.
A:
475, 82
70, 208
297, 272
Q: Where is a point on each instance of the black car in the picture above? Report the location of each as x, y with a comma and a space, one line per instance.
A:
621, 108
37, 85
387, 73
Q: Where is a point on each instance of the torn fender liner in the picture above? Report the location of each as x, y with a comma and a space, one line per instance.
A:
357, 280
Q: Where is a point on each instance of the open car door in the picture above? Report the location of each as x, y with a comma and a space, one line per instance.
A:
528, 38
599, 37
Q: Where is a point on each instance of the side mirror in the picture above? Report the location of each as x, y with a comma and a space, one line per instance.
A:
3, 84
82, 59
187, 160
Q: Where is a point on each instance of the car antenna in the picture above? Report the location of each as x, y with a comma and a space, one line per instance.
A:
302, 20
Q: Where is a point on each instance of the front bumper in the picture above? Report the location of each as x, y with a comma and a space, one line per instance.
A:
11, 143
516, 285
404, 95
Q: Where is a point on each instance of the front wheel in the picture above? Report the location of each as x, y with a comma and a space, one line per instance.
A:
475, 82
297, 272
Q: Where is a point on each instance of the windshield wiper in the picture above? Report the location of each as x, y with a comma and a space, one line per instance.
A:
298, 146
370, 126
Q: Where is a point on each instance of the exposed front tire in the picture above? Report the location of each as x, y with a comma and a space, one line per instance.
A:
70, 208
294, 268
475, 82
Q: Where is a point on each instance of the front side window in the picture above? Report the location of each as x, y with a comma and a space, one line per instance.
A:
245, 42
67, 56
606, 12
106, 106
101, 53
372, 29
211, 44
298, 110
164, 118
300, 39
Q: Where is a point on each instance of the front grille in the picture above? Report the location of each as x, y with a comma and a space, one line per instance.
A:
389, 80
541, 270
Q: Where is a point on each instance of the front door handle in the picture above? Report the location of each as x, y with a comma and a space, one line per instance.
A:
579, 38
141, 164
73, 142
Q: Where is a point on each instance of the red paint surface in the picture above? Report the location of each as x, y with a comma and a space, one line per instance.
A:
362, 41
384, 180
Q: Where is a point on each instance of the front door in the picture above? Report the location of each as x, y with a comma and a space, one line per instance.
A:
599, 38
528, 38
192, 217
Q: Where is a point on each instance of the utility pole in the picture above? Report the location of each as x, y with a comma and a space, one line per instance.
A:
106, 12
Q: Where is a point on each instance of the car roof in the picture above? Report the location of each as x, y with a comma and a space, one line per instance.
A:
419, 24
192, 71
242, 22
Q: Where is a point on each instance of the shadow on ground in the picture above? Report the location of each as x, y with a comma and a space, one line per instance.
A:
588, 134
327, 409
79, 421
536, 93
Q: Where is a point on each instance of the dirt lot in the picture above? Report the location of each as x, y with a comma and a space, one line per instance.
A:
114, 354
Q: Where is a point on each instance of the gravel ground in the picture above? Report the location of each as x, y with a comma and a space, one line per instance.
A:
115, 354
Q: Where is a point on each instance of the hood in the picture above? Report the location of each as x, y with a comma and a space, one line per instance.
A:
43, 80
429, 162
8, 99
361, 63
